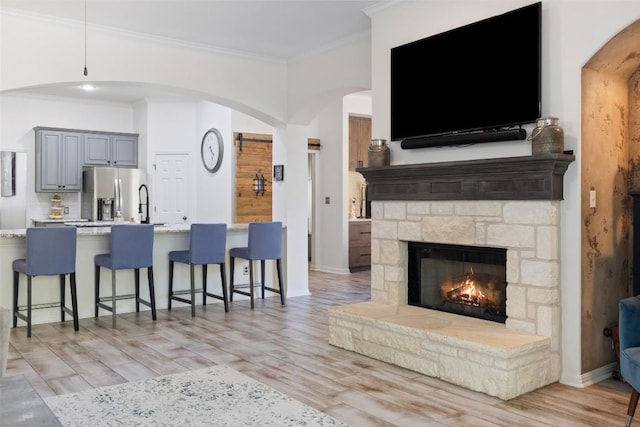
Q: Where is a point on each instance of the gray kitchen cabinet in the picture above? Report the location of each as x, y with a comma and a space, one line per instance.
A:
105, 149
58, 160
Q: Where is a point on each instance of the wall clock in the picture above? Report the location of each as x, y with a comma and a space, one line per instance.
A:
212, 150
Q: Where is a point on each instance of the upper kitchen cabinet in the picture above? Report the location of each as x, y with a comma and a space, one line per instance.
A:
107, 149
359, 141
58, 160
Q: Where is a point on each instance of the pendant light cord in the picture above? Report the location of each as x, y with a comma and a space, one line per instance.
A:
86, 72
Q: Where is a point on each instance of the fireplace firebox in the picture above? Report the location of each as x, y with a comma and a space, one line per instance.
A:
465, 280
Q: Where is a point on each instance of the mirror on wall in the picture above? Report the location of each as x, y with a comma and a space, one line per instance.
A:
7, 173
13, 189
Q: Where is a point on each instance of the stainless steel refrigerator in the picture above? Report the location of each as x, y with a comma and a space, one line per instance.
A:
107, 191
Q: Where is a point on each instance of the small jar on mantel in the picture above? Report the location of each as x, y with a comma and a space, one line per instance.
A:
379, 153
547, 137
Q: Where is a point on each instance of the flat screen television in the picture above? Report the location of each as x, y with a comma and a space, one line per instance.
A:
480, 79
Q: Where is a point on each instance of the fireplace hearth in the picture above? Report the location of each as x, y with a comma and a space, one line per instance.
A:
458, 279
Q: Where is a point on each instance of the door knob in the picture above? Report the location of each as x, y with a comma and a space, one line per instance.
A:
184, 218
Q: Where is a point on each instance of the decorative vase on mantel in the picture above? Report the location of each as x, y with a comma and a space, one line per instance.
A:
379, 153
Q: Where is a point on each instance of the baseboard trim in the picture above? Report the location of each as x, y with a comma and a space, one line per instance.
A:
324, 269
592, 377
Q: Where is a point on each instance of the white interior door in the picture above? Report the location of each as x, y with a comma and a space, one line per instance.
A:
172, 186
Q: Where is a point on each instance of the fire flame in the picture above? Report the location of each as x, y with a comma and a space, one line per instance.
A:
467, 292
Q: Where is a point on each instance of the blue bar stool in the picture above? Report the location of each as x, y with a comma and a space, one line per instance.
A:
131, 248
207, 245
50, 251
264, 243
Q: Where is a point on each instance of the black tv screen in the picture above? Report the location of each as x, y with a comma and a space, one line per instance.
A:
482, 76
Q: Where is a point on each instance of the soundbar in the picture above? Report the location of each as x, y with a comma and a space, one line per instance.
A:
463, 138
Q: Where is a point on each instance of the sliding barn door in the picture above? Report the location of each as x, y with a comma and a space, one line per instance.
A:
253, 156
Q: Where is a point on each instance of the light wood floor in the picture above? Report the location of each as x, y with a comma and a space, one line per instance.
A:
286, 347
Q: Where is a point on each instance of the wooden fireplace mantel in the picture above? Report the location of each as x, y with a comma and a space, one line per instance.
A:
537, 177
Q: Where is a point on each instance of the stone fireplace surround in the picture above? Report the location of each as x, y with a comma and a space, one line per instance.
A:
512, 203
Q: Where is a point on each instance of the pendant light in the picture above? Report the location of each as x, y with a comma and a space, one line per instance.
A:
86, 72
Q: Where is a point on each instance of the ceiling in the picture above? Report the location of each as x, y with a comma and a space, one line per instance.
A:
271, 29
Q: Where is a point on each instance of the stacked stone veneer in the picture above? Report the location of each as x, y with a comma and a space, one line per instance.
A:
503, 360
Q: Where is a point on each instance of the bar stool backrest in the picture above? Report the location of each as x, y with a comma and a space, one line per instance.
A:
265, 240
131, 246
50, 250
207, 243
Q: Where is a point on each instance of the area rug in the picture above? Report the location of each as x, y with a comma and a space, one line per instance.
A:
216, 396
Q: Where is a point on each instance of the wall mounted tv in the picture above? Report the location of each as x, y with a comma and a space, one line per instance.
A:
476, 83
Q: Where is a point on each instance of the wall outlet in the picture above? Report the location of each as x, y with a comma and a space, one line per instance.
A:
66, 210
245, 270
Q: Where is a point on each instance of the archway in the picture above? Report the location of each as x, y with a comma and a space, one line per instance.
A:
610, 168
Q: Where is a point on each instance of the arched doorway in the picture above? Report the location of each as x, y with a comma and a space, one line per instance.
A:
610, 167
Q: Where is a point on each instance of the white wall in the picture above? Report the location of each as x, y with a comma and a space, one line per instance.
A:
37, 51
172, 128
295, 192
177, 127
331, 226
317, 81
572, 32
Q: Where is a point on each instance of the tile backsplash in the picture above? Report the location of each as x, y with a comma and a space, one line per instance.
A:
40, 205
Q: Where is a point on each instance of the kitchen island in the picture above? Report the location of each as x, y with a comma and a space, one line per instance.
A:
95, 240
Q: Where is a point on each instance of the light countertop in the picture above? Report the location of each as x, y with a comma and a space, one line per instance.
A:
56, 220
97, 231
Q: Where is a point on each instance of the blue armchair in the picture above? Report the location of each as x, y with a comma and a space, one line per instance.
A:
629, 331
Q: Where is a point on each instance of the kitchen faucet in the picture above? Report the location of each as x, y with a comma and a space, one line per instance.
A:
146, 204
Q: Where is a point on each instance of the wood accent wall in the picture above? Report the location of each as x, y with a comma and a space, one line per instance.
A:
253, 157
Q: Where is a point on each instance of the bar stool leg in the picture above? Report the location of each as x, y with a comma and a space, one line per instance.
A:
262, 268
223, 280
280, 286
74, 301
96, 293
16, 279
152, 293
28, 306
170, 284
204, 284
62, 296
113, 298
231, 268
193, 289
136, 273
251, 282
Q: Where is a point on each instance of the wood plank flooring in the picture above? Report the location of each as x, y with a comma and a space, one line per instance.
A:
286, 348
